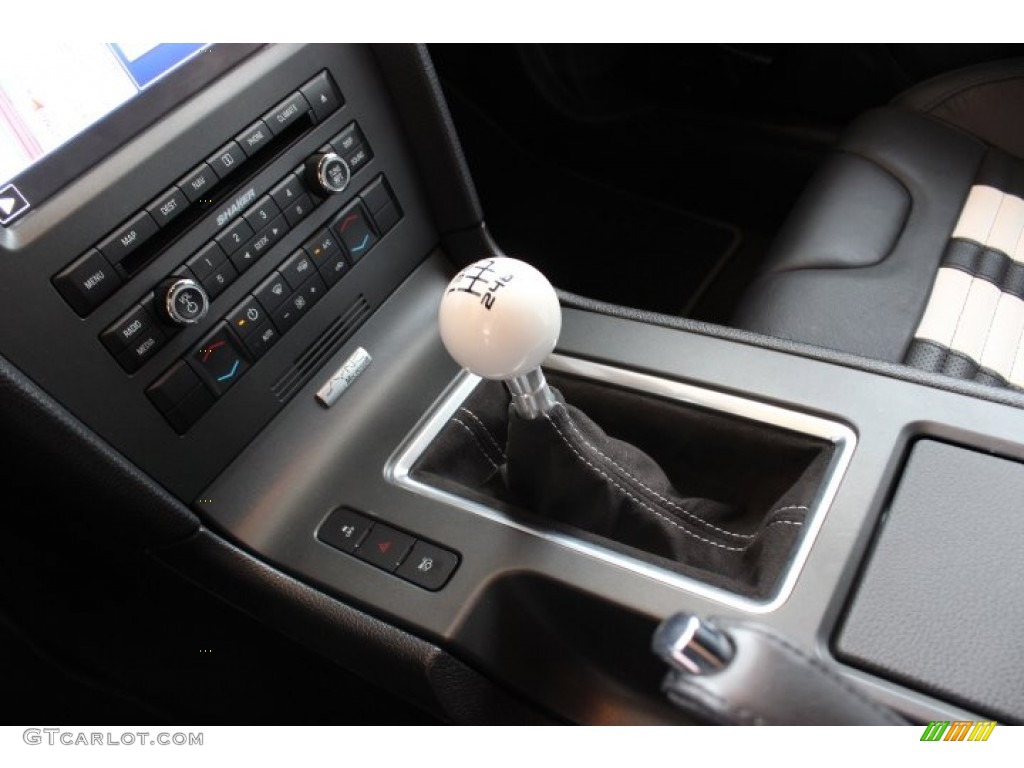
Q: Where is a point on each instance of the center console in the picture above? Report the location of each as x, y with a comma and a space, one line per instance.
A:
241, 302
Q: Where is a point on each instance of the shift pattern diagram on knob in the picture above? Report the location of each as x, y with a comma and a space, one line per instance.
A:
500, 318
481, 279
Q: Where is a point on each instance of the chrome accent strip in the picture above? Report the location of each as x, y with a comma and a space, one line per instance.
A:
399, 467
342, 378
531, 395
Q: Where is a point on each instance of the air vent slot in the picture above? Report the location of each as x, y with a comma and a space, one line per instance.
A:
325, 345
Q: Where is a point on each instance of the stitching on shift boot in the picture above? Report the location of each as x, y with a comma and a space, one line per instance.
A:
638, 481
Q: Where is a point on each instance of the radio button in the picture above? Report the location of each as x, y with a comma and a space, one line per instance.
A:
298, 210
87, 282
136, 325
288, 191
219, 279
234, 236
262, 213
129, 236
168, 206
203, 264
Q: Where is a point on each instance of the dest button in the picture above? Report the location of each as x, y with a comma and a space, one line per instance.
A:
218, 360
428, 566
385, 547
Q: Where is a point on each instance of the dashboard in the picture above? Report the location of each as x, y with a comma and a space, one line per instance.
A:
218, 308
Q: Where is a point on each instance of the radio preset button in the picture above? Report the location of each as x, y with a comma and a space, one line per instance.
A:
234, 236
219, 279
298, 210
288, 191
206, 260
261, 213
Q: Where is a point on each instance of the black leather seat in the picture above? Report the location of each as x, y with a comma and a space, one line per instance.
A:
908, 245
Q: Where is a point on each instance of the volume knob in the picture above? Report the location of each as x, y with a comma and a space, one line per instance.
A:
327, 172
182, 301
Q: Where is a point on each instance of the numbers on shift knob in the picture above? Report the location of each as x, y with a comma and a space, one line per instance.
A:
499, 318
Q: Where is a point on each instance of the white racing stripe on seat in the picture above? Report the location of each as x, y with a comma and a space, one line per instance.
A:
949, 295
972, 328
979, 214
1007, 227
972, 316
1004, 337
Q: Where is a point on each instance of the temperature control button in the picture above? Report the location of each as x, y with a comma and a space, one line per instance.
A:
219, 360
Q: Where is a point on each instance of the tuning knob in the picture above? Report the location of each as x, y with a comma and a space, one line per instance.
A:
182, 301
327, 172
500, 319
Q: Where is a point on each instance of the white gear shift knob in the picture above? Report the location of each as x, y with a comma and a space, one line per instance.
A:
500, 318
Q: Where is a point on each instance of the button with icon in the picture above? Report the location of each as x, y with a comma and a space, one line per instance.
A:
272, 292
246, 317
428, 566
344, 529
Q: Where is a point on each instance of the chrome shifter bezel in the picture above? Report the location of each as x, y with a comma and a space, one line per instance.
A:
398, 470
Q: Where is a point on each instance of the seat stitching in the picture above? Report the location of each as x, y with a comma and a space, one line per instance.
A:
967, 298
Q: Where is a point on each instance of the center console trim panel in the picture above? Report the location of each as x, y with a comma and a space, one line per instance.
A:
399, 470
